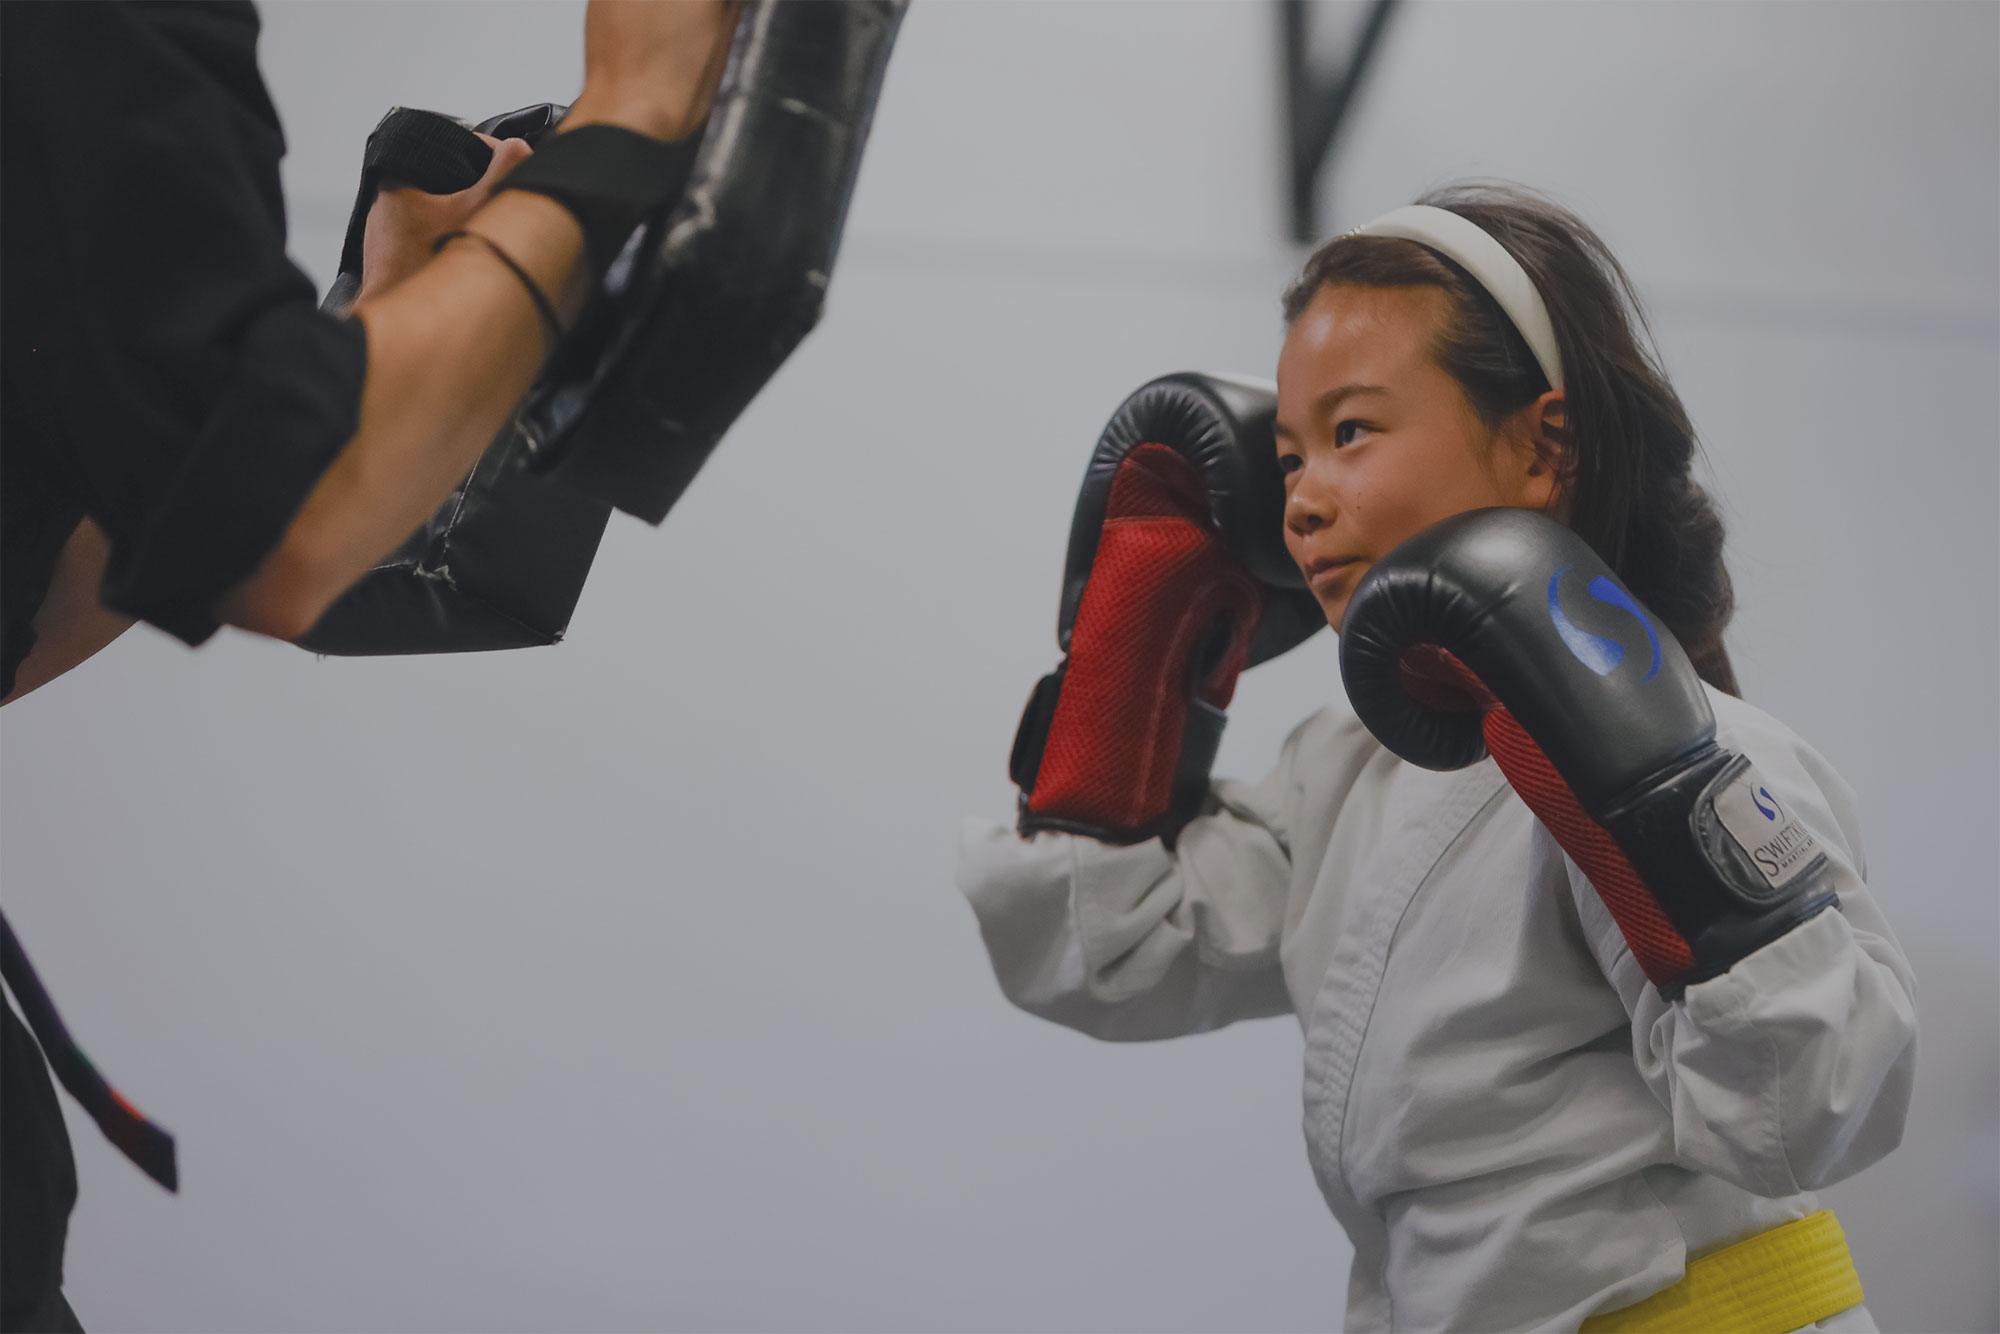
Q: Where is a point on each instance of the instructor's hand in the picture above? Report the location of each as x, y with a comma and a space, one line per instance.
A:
652, 65
405, 223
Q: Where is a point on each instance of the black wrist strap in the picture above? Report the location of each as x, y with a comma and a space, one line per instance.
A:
609, 178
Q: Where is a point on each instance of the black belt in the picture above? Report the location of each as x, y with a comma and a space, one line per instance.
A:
150, 1148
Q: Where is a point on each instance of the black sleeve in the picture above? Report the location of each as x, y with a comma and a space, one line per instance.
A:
196, 391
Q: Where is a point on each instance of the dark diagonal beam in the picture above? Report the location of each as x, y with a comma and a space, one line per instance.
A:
1318, 102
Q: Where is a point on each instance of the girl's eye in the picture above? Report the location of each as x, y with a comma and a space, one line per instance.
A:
1290, 463
1344, 433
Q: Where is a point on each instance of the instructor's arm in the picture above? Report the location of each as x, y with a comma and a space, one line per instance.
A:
452, 348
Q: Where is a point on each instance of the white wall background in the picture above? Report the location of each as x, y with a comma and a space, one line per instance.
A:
622, 984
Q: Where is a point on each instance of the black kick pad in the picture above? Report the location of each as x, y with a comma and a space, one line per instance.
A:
502, 562
708, 300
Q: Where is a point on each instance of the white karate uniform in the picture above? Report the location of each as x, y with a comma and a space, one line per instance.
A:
1514, 1127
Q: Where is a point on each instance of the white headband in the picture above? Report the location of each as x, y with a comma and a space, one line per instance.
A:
1489, 264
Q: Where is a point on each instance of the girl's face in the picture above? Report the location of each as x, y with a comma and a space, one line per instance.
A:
1377, 442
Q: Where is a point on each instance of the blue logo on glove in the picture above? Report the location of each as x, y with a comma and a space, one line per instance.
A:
1596, 652
1759, 797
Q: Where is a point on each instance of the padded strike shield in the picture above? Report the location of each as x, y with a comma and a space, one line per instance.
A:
503, 561
704, 304
706, 300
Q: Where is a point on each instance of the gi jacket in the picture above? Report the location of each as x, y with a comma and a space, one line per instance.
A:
1514, 1127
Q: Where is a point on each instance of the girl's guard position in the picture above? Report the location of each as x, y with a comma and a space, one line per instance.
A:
1582, 1078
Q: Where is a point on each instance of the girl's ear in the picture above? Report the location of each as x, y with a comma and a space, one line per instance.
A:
1551, 435
1554, 466
1541, 464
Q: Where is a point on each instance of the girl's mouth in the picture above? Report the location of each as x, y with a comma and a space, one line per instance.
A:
1328, 570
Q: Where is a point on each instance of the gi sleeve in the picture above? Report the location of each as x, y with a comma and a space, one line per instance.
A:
199, 391
1143, 942
1793, 1070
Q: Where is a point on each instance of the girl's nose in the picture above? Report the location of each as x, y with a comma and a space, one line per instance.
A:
1306, 508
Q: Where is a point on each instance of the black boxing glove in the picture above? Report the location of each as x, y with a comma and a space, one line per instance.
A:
1177, 579
1502, 630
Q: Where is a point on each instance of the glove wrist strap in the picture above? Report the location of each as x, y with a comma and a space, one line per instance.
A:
610, 179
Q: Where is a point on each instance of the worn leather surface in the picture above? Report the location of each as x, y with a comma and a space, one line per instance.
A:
714, 295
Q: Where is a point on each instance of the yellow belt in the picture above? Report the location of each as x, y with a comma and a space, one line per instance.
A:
1779, 1280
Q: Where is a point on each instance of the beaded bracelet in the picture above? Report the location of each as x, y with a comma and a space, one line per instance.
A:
551, 326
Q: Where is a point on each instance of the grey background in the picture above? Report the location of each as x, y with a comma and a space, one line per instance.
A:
623, 985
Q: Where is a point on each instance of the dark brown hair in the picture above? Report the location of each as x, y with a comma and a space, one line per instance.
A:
1634, 498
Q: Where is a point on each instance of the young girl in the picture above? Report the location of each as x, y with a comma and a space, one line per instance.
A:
1517, 1129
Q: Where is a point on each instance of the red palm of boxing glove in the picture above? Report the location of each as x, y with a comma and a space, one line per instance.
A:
1161, 613
1163, 631
1435, 675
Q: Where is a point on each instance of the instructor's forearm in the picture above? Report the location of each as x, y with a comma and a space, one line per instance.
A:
451, 350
